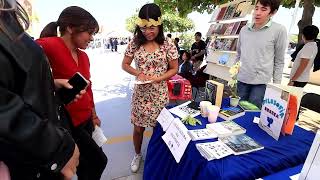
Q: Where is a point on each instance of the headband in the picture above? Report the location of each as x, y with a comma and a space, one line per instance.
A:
150, 22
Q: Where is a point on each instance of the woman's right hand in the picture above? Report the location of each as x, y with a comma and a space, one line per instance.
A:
70, 169
142, 77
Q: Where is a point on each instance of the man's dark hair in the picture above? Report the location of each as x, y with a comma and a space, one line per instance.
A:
310, 32
149, 11
273, 4
177, 39
169, 35
198, 34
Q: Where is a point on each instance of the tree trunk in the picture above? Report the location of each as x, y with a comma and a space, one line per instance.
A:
306, 19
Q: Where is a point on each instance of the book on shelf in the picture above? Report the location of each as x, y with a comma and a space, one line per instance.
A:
229, 29
214, 15
213, 150
235, 28
241, 144
214, 92
234, 45
221, 13
230, 113
242, 24
211, 29
229, 12
201, 134
226, 128
217, 29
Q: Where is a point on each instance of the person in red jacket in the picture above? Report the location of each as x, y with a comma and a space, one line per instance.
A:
66, 56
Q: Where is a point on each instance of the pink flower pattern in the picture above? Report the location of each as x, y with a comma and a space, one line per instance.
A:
149, 99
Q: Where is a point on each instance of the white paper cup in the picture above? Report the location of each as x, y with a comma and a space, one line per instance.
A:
203, 108
213, 112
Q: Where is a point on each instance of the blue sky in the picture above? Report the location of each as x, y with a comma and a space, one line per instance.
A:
112, 13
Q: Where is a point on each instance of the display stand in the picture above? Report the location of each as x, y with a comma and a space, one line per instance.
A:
226, 23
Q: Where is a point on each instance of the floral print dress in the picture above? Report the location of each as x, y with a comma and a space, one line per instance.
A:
149, 99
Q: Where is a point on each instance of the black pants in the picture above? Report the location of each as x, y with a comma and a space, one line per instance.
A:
92, 160
299, 84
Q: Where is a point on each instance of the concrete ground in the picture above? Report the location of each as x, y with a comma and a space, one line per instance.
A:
112, 89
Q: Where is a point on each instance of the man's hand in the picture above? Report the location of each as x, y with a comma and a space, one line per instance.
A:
290, 83
70, 169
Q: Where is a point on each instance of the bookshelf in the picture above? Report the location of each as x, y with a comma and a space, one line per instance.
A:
226, 23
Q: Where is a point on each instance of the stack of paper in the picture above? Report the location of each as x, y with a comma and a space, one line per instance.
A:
201, 134
226, 128
98, 136
213, 150
184, 110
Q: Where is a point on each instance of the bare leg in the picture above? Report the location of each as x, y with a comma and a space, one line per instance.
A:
137, 138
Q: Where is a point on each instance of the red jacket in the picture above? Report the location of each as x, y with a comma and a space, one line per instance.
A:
64, 67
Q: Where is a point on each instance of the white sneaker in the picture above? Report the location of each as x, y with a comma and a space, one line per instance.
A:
135, 164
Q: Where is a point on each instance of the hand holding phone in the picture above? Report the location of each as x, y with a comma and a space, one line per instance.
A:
78, 83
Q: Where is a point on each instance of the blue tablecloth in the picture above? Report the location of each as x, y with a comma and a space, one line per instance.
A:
288, 152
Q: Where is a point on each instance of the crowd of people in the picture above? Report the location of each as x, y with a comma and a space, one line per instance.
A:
42, 138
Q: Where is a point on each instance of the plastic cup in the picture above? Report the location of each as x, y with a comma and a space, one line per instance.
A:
203, 108
213, 112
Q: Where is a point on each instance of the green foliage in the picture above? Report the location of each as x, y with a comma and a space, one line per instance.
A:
186, 40
184, 7
172, 22
131, 23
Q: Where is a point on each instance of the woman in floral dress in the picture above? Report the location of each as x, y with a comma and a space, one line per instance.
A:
156, 60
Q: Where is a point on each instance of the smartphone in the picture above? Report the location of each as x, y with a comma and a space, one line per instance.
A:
78, 83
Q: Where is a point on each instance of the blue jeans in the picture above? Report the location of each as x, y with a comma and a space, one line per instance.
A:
253, 93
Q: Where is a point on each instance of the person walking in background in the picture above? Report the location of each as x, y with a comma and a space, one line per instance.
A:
156, 61
66, 56
260, 49
115, 44
198, 49
111, 44
303, 62
33, 143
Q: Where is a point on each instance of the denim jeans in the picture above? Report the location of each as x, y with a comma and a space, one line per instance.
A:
253, 93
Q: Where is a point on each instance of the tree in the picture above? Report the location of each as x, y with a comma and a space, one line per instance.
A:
184, 7
172, 22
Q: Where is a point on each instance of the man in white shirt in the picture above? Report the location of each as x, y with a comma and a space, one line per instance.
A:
303, 63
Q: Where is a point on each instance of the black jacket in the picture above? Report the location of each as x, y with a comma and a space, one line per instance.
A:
31, 139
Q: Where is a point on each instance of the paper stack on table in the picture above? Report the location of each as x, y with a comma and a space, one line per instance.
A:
213, 150
201, 134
